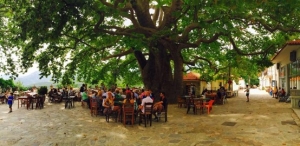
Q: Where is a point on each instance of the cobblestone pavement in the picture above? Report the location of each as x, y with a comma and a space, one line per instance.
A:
261, 122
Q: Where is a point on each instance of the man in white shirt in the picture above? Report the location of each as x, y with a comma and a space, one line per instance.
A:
145, 100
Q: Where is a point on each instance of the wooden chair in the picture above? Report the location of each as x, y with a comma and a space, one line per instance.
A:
115, 113
164, 113
224, 100
198, 105
128, 114
2, 99
180, 102
40, 99
190, 104
29, 101
147, 115
209, 106
23, 102
93, 106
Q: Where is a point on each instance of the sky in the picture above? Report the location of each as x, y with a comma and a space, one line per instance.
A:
29, 71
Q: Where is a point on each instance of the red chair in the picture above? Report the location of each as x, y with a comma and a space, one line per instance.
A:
209, 106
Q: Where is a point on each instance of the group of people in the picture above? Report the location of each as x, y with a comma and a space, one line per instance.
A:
275, 92
57, 95
112, 100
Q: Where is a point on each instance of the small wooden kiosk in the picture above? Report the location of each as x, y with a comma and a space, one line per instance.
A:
193, 79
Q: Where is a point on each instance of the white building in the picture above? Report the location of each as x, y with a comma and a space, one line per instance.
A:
285, 73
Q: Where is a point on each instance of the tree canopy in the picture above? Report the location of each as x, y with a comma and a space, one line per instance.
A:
153, 41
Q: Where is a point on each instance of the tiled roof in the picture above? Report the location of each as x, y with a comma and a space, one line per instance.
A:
294, 42
191, 76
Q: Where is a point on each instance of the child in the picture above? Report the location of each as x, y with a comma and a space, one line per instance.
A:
10, 102
247, 93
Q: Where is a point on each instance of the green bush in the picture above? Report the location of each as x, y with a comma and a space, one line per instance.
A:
43, 90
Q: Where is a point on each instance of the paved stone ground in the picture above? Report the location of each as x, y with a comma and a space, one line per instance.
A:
262, 122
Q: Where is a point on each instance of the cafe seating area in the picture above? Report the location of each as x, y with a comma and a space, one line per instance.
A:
200, 104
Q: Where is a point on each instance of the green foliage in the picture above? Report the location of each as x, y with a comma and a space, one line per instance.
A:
254, 81
28, 88
6, 84
96, 41
43, 90
20, 86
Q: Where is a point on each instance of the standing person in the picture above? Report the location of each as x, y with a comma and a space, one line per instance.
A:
82, 89
10, 102
247, 93
275, 91
192, 89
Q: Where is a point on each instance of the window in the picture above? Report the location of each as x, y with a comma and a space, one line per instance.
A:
294, 74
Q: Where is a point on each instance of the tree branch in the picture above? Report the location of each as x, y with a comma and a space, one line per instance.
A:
169, 19
119, 54
196, 58
210, 40
185, 34
140, 58
252, 53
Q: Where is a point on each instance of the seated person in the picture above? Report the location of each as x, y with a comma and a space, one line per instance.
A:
108, 104
85, 98
99, 99
282, 92
145, 100
219, 95
275, 91
118, 98
128, 100
159, 106
204, 91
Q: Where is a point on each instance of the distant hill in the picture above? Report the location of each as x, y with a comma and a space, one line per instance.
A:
34, 79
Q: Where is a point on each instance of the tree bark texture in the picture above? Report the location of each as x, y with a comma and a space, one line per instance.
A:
157, 72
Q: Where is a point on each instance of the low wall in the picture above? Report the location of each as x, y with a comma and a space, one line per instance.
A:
294, 101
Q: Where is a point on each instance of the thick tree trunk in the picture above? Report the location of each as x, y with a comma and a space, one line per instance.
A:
157, 72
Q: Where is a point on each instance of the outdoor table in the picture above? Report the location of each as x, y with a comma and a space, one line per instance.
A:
202, 102
2, 98
185, 97
70, 102
32, 93
213, 96
190, 102
228, 93
27, 98
22, 98
16, 95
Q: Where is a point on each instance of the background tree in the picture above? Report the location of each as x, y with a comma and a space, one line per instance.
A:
7, 84
147, 40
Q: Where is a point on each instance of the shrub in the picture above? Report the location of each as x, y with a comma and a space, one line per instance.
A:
43, 90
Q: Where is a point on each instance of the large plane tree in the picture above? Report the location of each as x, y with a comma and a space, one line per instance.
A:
151, 40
